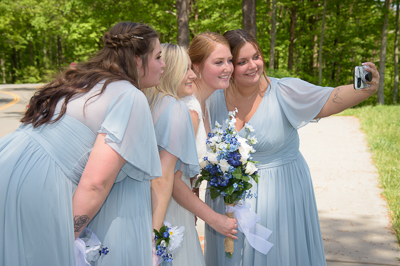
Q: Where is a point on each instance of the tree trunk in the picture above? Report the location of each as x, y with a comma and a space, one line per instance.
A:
320, 45
273, 36
59, 51
249, 17
382, 55
31, 52
44, 51
293, 16
196, 19
396, 56
51, 63
13, 64
182, 7
3, 69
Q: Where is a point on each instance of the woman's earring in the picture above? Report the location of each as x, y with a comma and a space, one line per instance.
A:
200, 75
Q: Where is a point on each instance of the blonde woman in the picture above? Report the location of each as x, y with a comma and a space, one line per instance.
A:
176, 140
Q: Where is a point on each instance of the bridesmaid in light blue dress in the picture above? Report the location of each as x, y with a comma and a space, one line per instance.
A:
58, 168
276, 109
178, 82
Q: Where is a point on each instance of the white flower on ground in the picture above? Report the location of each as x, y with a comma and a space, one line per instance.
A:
250, 168
224, 165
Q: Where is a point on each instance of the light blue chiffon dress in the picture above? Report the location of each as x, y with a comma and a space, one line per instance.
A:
190, 252
41, 168
174, 133
286, 202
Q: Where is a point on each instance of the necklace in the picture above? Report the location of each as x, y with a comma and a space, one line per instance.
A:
247, 98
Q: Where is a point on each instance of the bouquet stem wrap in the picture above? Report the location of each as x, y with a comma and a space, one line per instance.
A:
229, 242
256, 234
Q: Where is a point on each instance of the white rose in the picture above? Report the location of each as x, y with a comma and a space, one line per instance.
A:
202, 163
244, 147
224, 165
250, 168
244, 157
212, 158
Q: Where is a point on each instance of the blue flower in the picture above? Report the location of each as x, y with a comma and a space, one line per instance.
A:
235, 186
213, 170
165, 234
234, 159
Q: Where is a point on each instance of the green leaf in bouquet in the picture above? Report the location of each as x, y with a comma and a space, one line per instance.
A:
214, 192
255, 177
238, 175
247, 186
199, 181
229, 189
205, 173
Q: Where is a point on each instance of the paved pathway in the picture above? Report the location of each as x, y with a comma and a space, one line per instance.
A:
13, 101
354, 218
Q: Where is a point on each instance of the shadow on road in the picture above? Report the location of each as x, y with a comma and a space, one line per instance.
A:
361, 238
5, 101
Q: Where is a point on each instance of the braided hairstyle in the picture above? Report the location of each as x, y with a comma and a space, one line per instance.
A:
115, 61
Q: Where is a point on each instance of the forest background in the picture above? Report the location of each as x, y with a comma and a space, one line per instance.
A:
318, 41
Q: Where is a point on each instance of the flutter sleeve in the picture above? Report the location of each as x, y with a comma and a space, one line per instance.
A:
301, 101
175, 134
130, 132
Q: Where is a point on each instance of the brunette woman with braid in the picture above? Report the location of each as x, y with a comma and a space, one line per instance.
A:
85, 151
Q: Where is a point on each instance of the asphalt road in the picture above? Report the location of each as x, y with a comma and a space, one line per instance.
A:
13, 102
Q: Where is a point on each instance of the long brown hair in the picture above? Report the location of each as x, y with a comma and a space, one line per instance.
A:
237, 39
115, 61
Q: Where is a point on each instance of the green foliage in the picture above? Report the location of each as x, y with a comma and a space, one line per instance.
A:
382, 127
48, 34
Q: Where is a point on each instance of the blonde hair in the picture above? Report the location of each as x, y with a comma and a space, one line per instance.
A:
176, 67
202, 46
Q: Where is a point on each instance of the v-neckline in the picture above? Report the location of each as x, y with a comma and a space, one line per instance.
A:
258, 107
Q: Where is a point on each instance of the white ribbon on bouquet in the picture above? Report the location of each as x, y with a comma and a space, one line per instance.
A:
256, 234
87, 247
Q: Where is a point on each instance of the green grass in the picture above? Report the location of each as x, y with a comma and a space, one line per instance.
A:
382, 127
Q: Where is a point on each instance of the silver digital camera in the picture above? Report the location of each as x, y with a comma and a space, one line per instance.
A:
361, 76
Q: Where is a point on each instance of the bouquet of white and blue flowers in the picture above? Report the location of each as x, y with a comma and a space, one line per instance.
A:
228, 167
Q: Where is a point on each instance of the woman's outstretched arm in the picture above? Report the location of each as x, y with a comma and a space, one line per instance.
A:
346, 96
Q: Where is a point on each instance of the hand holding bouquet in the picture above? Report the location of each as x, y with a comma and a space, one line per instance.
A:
229, 168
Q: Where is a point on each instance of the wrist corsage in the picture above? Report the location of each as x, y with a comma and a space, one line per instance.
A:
88, 248
167, 240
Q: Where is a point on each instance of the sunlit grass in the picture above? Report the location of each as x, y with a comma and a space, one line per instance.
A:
382, 127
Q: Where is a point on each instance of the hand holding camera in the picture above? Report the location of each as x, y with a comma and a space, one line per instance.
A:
366, 77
